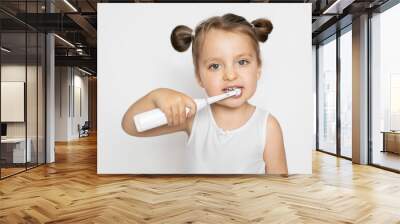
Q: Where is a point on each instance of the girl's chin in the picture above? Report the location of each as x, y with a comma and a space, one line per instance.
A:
232, 102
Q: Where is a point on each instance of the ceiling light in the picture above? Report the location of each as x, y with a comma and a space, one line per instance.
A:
79, 51
64, 40
70, 5
84, 71
338, 6
5, 50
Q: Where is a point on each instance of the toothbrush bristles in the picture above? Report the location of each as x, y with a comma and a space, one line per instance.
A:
235, 90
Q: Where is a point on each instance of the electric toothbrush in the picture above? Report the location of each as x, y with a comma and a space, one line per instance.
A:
155, 118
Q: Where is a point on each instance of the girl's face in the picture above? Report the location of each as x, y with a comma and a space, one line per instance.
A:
228, 59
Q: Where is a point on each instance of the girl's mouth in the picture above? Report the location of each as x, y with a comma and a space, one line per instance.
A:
230, 88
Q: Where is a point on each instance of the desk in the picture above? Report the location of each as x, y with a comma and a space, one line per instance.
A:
16, 151
391, 141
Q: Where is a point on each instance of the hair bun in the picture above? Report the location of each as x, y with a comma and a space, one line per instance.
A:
262, 28
181, 38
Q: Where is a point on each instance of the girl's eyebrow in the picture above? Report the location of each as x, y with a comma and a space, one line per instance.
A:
238, 56
211, 59
244, 54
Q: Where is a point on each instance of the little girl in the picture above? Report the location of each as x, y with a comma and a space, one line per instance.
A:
230, 136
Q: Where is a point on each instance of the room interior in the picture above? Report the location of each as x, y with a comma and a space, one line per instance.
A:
48, 161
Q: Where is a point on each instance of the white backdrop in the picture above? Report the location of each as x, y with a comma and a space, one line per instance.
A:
135, 56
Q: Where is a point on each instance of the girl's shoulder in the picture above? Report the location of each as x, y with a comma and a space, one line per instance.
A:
274, 149
272, 123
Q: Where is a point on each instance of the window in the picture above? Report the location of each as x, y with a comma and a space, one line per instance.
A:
385, 88
346, 94
327, 96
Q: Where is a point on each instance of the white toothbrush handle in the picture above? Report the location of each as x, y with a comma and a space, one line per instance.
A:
149, 119
155, 118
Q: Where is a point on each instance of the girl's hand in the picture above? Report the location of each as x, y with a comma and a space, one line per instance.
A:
173, 104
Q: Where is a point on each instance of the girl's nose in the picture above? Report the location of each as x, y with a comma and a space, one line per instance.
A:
230, 75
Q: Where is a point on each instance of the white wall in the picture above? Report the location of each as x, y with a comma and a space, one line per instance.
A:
67, 117
134, 59
80, 84
61, 103
15, 73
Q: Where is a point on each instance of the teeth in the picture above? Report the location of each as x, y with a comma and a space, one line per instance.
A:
230, 89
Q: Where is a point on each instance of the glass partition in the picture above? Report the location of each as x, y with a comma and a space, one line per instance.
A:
13, 95
32, 87
41, 107
22, 63
31, 100
327, 96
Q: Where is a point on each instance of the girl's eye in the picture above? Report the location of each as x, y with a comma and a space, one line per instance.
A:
243, 62
214, 66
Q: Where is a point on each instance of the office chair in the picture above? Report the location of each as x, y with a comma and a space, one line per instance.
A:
84, 130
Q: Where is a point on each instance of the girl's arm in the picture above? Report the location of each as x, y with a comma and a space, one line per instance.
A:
274, 150
171, 102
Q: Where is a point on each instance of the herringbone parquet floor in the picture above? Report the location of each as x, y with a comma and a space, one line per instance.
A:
70, 191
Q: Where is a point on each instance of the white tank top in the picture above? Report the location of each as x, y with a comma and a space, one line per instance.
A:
211, 150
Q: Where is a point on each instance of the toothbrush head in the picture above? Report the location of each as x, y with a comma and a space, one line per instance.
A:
237, 91
228, 93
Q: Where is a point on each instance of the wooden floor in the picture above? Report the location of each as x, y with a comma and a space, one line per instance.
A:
387, 159
5, 172
70, 191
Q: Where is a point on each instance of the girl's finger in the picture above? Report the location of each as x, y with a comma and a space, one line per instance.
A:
175, 115
182, 114
190, 103
189, 110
